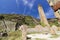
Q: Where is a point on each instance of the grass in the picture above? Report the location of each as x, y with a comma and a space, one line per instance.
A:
55, 36
35, 33
40, 39
16, 35
3, 38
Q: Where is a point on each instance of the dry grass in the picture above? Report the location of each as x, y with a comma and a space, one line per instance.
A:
16, 35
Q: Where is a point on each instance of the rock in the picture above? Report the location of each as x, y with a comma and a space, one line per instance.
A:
46, 29
23, 28
42, 15
4, 35
1, 34
29, 30
53, 29
39, 28
33, 39
10, 26
56, 6
58, 28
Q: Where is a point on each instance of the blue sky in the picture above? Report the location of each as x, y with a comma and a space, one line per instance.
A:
26, 7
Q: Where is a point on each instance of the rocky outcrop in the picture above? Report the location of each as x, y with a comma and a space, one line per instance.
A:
38, 28
42, 16
54, 29
56, 6
23, 28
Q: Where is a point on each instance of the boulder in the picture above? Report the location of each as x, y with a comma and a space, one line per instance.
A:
39, 27
56, 6
55, 27
23, 28
46, 29
53, 30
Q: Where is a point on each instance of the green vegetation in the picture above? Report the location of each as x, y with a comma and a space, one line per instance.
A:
41, 23
55, 22
3, 38
16, 35
35, 33
21, 19
55, 36
29, 21
12, 19
40, 39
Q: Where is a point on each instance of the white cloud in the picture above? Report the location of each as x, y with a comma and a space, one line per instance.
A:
29, 3
25, 2
17, 3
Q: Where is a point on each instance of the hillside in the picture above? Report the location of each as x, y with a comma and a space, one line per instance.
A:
13, 19
10, 21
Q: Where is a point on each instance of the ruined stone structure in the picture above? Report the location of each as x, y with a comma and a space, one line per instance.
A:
44, 19
56, 6
42, 16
